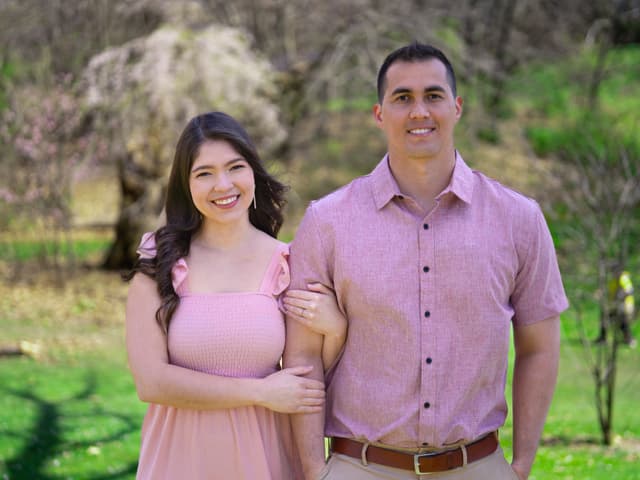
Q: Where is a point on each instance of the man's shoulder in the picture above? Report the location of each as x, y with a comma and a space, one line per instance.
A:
491, 190
355, 192
333, 216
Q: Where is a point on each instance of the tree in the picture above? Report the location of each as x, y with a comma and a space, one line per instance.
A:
140, 96
60, 36
594, 194
332, 54
501, 36
47, 148
600, 191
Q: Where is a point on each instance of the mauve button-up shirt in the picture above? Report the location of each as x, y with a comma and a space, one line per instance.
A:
429, 301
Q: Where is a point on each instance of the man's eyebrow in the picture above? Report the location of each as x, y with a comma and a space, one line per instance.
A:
400, 90
435, 88
430, 88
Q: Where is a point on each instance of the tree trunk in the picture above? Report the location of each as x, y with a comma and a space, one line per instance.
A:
142, 196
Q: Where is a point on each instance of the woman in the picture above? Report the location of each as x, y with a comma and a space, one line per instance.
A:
204, 330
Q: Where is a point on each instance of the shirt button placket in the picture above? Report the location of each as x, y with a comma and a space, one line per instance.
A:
427, 343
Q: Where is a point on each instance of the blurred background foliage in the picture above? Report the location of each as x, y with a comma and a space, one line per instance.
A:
93, 94
100, 89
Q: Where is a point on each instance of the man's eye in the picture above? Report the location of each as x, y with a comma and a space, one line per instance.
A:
433, 97
402, 98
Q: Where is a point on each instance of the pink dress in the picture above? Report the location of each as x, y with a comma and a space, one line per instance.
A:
228, 334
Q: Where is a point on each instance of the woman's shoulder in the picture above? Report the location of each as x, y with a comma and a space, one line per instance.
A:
275, 253
271, 246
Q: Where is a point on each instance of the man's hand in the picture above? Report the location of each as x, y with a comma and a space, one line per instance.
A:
519, 472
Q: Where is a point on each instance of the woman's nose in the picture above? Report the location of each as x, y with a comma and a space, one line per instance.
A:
223, 183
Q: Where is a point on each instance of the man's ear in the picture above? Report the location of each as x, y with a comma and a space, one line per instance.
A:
459, 103
377, 113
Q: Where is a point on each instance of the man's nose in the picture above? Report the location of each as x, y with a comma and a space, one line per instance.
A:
420, 110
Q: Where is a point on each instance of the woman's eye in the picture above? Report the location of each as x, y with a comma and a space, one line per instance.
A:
202, 174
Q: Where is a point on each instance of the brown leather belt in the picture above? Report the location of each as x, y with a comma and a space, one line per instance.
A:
421, 463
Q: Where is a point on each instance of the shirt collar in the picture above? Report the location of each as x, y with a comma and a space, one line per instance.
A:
461, 183
385, 187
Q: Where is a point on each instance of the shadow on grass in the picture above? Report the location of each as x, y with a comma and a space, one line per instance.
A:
45, 440
570, 441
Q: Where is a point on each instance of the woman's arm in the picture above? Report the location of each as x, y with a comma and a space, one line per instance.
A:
158, 381
318, 310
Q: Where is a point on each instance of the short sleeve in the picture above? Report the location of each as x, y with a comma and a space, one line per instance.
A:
310, 258
147, 246
538, 292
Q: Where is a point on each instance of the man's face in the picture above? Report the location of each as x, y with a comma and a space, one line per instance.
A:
418, 111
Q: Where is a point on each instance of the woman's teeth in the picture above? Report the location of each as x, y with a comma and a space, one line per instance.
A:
226, 201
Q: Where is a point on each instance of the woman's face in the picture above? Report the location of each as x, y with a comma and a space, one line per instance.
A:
221, 182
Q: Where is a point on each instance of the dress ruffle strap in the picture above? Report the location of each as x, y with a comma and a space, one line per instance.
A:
147, 246
276, 278
283, 277
179, 274
147, 249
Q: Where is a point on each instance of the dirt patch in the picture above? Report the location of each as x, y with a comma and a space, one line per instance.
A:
83, 313
629, 445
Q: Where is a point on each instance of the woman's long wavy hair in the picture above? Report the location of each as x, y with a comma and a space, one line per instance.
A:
183, 219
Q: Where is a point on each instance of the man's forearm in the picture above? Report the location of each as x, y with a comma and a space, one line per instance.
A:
532, 393
308, 432
534, 380
304, 347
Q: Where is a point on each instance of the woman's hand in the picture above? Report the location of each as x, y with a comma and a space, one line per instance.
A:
316, 308
287, 391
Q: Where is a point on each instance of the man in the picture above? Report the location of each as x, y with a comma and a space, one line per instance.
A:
431, 262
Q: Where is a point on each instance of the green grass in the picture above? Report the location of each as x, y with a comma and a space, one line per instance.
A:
21, 250
77, 420
560, 90
570, 448
556, 99
78, 417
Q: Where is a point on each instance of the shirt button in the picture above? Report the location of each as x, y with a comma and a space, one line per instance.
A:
427, 404
425, 269
429, 360
425, 226
427, 314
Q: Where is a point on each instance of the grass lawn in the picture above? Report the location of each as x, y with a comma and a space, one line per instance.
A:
72, 412
570, 446
68, 420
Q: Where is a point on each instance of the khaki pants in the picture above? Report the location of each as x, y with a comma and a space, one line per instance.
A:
492, 467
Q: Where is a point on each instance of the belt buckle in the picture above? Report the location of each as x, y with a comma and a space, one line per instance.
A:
416, 462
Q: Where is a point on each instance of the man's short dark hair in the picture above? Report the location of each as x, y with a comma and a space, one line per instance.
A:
414, 52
